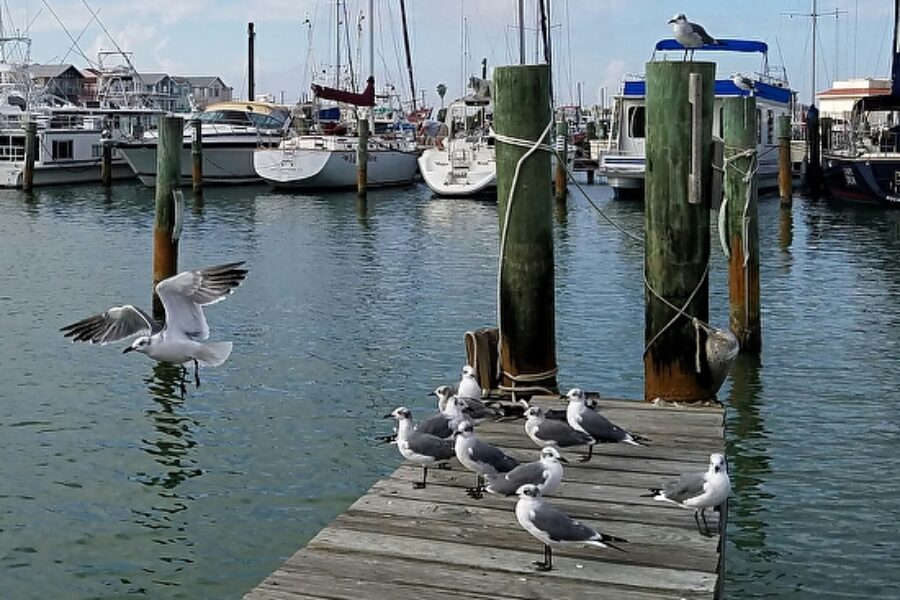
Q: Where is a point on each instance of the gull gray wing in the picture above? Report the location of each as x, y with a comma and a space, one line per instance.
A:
183, 296
508, 483
559, 526
685, 487
561, 433
705, 37
117, 323
438, 425
430, 445
491, 455
602, 428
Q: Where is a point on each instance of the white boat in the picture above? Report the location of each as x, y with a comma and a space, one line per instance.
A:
231, 133
622, 160
329, 162
462, 162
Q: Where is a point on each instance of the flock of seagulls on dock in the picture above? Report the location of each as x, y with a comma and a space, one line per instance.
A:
450, 433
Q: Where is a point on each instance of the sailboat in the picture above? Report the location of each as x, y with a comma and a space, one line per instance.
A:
319, 161
867, 169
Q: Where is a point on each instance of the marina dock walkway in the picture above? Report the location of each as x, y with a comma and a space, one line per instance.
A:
397, 542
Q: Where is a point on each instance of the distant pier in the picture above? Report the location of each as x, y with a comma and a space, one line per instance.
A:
435, 543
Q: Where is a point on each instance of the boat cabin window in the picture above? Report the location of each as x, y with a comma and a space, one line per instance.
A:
231, 117
62, 150
270, 121
636, 121
12, 147
770, 126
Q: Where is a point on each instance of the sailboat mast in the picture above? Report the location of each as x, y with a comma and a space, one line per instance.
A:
815, 18
337, 48
409, 67
521, 32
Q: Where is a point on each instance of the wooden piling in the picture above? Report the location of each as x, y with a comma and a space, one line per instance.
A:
168, 178
813, 153
825, 126
526, 297
105, 158
31, 150
197, 157
676, 247
563, 149
362, 158
785, 175
739, 131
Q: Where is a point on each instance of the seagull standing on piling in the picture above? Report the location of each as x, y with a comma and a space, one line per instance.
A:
480, 457
545, 473
550, 432
594, 424
421, 448
744, 83
552, 526
181, 340
698, 491
690, 35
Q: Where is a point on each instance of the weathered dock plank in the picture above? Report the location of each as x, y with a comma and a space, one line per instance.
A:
398, 542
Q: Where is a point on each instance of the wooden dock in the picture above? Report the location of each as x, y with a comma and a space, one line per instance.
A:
397, 542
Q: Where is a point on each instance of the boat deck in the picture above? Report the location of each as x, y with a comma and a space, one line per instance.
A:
434, 543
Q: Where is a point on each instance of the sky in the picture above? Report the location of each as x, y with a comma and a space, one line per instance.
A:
595, 42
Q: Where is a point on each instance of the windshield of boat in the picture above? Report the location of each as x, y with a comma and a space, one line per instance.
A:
274, 120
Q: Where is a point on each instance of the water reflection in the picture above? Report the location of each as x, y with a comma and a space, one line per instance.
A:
785, 227
749, 462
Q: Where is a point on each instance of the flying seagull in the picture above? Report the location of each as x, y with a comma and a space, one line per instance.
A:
545, 473
480, 457
180, 340
690, 35
552, 526
588, 421
744, 83
698, 490
421, 448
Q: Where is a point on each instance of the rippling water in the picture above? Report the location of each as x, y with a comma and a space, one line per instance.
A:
111, 485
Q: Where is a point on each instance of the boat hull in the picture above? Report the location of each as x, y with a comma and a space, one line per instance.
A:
478, 178
12, 174
867, 179
308, 168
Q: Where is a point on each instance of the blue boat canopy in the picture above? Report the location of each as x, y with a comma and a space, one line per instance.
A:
722, 46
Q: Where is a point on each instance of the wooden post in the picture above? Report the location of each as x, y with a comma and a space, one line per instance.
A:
31, 150
676, 247
362, 158
526, 298
106, 158
739, 132
825, 125
562, 149
168, 178
813, 167
197, 157
785, 175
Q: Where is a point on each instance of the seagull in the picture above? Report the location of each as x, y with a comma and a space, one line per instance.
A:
480, 457
451, 414
585, 420
545, 473
180, 340
550, 432
744, 83
469, 387
422, 448
552, 526
690, 35
698, 490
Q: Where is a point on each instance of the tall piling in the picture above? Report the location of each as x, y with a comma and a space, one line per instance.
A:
106, 158
31, 150
197, 157
168, 178
785, 175
362, 158
526, 296
251, 61
676, 247
813, 153
739, 121
562, 148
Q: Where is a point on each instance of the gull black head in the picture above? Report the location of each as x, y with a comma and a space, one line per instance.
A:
553, 453
575, 395
679, 18
534, 412
141, 344
717, 463
529, 489
443, 392
400, 413
468, 371
465, 428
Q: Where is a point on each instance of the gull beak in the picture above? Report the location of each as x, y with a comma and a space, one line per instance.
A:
671, 21
717, 468
562, 459
388, 416
127, 350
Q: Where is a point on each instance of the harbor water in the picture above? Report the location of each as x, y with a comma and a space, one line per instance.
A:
113, 485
